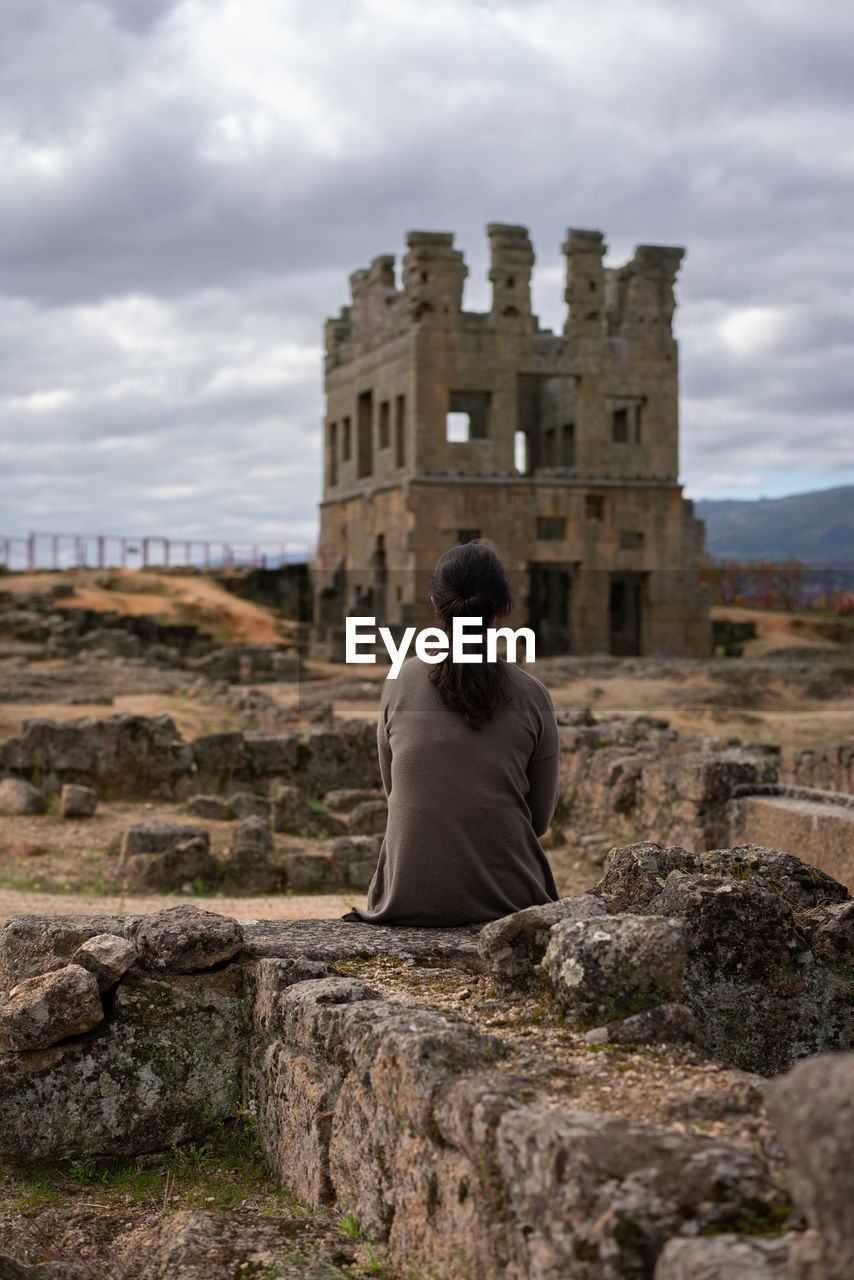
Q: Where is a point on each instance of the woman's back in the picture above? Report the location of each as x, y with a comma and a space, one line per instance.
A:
465, 804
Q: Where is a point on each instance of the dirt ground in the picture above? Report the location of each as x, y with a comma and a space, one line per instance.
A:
170, 597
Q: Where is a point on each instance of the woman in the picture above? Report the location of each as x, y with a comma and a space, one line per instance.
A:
469, 761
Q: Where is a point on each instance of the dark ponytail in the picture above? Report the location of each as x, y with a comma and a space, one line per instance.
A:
469, 582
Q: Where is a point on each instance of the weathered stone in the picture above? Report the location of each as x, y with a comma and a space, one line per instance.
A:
724, 1257
41, 1011
185, 938
799, 883
636, 874
253, 833
32, 945
818, 825
271, 755
623, 777
289, 808
184, 862
77, 802
354, 859
601, 1194
165, 1068
219, 760
122, 755
345, 799
311, 870
17, 796
157, 837
107, 956
514, 945
663, 1024
246, 804
813, 1110
345, 1055
735, 928
212, 807
271, 977
830, 931
248, 863
333, 940
368, 818
333, 758
617, 965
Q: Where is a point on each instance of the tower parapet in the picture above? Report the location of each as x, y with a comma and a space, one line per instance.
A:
433, 274
646, 288
584, 281
511, 262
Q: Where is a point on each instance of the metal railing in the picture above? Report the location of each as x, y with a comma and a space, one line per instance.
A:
58, 551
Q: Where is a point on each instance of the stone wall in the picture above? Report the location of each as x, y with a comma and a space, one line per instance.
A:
623, 781
418, 1120
828, 769
820, 823
135, 756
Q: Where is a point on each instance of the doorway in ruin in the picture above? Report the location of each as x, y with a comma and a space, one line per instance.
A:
625, 613
549, 600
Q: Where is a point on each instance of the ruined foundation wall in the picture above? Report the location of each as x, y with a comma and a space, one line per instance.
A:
416, 1121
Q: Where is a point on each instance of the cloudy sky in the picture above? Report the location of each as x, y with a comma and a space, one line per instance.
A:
186, 185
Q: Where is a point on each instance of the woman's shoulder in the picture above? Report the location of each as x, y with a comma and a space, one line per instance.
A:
526, 684
413, 674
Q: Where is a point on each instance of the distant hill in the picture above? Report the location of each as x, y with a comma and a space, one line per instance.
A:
808, 526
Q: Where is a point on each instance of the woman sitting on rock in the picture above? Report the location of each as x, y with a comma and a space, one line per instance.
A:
469, 760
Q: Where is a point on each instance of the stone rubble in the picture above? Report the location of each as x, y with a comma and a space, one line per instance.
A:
165, 855
184, 939
33, 945
77, 801
513, 946
18, 796
813, 1110
609, 968
41, 1011
107, 957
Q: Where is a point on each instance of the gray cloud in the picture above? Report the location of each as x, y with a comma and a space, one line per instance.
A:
187, 185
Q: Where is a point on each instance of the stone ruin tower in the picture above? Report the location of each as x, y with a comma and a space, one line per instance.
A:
444, 425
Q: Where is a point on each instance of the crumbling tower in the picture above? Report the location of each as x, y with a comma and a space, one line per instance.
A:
443, 425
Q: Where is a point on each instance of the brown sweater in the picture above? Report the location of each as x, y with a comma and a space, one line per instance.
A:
465, 806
